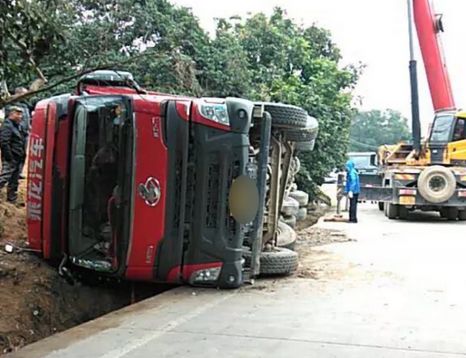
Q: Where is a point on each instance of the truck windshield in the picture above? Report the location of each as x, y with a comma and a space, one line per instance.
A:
361, 161
442, 128
94, 184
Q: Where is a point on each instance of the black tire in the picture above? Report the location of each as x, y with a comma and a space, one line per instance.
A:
285, 115
305, 146
299, 136
300, 196
443, 213
279, 261
452, 214
304, 138
391, 211
291, 246
436, 184
403, 212
462, 215
286, 236
290, 221
302, 214
290, 207
380, 205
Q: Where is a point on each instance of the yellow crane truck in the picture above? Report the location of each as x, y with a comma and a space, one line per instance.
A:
428, 175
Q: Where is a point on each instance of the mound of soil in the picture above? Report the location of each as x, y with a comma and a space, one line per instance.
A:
314, 261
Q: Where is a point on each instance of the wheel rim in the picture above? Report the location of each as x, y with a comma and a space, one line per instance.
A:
437, 184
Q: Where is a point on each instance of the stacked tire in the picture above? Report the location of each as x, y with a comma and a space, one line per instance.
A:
294, 207
303, 200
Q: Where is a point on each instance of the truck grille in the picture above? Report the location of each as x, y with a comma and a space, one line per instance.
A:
176, 213
213, 189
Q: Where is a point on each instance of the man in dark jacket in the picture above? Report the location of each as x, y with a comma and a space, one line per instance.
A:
25, 123
13, 147
352, 189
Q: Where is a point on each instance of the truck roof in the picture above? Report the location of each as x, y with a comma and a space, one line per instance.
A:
359, 154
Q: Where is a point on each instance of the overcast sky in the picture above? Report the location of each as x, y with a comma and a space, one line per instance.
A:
373, 32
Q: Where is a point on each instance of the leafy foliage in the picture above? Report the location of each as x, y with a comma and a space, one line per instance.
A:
259, 57
30, 31
374, 128
301, 66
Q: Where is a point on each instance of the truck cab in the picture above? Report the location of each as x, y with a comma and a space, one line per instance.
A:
135, 185
365, 162
447, 139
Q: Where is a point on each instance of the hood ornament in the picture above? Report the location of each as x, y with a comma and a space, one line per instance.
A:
150, 191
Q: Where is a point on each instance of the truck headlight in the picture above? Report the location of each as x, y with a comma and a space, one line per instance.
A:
209, 275
216, 112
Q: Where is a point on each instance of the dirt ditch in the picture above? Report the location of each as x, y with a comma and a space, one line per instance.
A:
35, 302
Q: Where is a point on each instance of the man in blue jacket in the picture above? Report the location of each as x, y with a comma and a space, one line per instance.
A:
352, 189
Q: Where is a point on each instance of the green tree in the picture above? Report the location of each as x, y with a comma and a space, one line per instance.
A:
301, 66
269, 58
226, 69
30, 30
373, 128
61, 38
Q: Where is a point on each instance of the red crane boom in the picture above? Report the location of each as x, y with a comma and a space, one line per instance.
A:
428, 27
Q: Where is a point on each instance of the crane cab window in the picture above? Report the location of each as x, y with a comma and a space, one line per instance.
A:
459, 133
442, 128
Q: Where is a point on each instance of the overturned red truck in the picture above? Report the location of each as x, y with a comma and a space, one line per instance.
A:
137, 185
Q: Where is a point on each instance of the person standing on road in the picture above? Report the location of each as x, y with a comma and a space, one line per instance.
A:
13, 147
352, 189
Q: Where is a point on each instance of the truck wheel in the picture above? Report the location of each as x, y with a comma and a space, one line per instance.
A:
391, 211
290, 220
300, 196
286, 236
403, 212
452, 213
305, 146
302, 214
462, 215
380, 204
436, 184
300, 135
443, 213
285, 115
279, 261
304, 135
290, 207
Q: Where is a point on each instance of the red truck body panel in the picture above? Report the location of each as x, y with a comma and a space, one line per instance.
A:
36, 163
48, 158
148, 224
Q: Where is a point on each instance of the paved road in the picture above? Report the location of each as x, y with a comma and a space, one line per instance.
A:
398, 291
